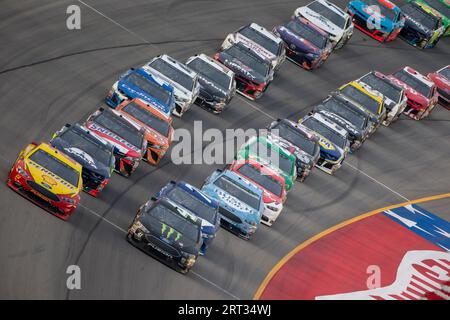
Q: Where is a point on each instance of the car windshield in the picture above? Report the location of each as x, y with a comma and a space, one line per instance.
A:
238, 191
362, 98
335, 18
419, 15
377, 6
87, 144
341, 109
383, 86
325, 131
250, 60
59, 168
445, 72
413, 82
305, 32
295, 137
273, 156
173, 226
213, 74
140, 113
173, 73
260, 39
439, 6
265, 180
193, 204
151, 88
121, 127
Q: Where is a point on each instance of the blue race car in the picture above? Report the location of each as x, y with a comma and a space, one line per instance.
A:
138, 83
195, 201
306, 44
240, 202
380, 19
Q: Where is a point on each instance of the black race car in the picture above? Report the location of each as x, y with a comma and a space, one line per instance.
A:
422, 29
93, 153
217, 84
167, 232
300, 141
126, 137
253, 74
350, 117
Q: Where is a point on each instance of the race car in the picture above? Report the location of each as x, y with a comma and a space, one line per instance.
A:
157, 126
196, 202
306, 44
266, 151
167, 232
420, 91
441, 7
240, 202
361, 94
394, 96
138, 83
252, 73
94, 154
269, 181
347, 115
48, 178
333, 140
329, 18
261, 41
128, 139
423, 26
379, 19
441, 79
298, 140
217, 84
183, 80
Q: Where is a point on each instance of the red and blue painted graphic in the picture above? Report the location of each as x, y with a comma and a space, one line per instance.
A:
401, 253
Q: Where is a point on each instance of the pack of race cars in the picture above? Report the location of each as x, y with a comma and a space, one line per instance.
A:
180, 222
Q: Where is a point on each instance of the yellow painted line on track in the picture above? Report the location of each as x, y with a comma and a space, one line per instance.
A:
322, 234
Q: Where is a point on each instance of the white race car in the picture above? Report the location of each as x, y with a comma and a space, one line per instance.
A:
182, 78
329, 18
263, 42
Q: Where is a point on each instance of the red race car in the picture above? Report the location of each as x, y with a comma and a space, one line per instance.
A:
420, 91
269, 181
441, 79
48, 178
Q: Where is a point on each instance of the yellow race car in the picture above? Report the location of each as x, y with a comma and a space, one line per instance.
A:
47, 177
371, 102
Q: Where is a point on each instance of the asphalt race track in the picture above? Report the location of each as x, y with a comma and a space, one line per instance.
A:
50, 76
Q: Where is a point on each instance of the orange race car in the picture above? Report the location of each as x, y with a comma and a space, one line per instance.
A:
47, 177
158, 127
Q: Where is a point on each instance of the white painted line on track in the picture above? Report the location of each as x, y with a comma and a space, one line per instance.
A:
215, 285
102, 218
254, 106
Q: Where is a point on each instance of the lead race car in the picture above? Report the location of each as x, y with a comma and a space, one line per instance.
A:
420, 91
442, 7
138, 83
128, 139
183, 80
395, 100
253, 74
217, 84
48, 178
263, 42
380, 19
94, 154
330, 18
306, 44
423, 27
441, 79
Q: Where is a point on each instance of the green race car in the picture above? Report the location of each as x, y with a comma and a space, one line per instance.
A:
441, 7
265, 151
